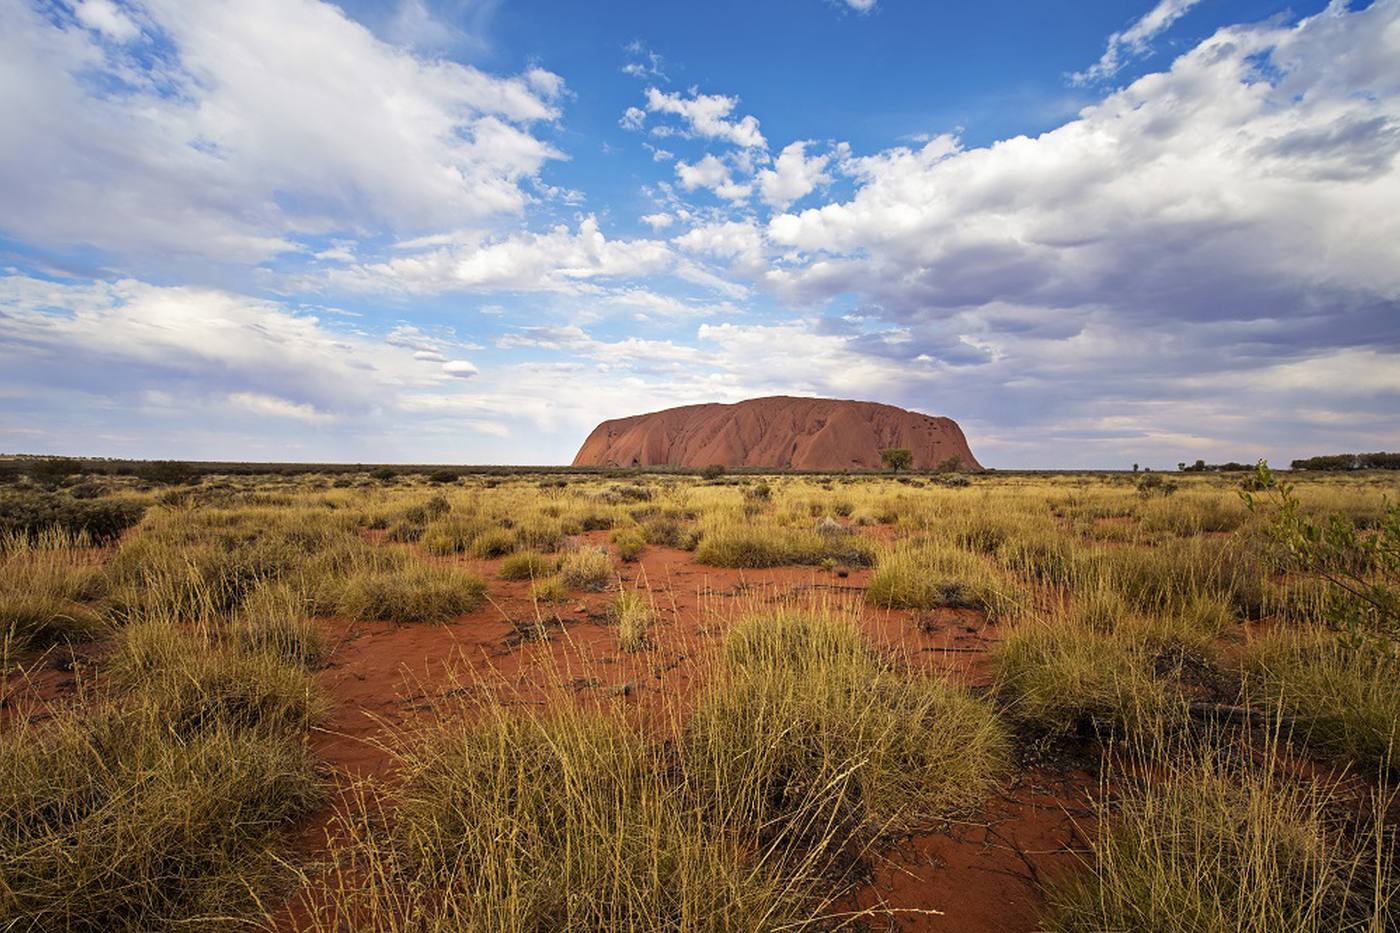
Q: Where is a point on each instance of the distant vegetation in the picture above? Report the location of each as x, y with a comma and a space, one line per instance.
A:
1200, 466
1336, 462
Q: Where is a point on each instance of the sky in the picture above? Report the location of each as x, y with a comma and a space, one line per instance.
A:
1095, 233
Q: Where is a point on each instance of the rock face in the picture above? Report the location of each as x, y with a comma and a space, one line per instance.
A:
780, 432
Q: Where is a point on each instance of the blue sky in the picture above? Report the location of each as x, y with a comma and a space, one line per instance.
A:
467, 230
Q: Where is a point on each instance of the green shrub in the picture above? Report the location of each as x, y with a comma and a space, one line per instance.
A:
101, 520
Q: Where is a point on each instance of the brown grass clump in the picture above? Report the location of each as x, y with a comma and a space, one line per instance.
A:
527, 565
1211, 841
1341, 694
931, 576
417, 593
635, 616
547, 821
51, 591
806, 734
587, 568
1057, 676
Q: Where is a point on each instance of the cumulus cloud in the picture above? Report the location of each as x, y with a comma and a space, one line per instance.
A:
793, 175
707, 116
1254, 181
1135, 41
712, 173
123, 337
232, 130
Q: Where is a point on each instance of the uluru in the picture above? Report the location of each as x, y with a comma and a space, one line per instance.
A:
780, 432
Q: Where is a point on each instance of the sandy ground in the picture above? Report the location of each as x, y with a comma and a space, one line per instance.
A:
985, 874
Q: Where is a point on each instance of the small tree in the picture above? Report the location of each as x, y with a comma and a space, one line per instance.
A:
950, 465
897, 458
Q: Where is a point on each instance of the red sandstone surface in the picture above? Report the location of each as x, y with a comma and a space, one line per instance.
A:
780, 432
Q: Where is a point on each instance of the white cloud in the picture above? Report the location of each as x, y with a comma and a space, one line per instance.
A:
729, 239
793, 175
1136, 40
105, 17
711, 172
124, 337
273, 407
707, 116
268, 120
860, 6
459, 369
558, 261
1257, 179
644, 62
658, 221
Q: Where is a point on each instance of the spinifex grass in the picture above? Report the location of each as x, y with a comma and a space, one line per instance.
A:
805, 733
1207, 836
546, 820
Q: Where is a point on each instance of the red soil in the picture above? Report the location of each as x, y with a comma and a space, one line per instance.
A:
779, 432
982, 875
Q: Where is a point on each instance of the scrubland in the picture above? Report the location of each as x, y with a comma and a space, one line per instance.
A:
665, 702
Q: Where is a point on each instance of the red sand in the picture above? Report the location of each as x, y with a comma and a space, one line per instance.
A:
780, 432
985, 874
982, 875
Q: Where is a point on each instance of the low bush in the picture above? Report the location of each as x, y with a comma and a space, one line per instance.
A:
111, 822
527, 565
416, 593
587, 568
101, 520
1341, 693
933, 576
1210, 842
805, 736
634, 615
